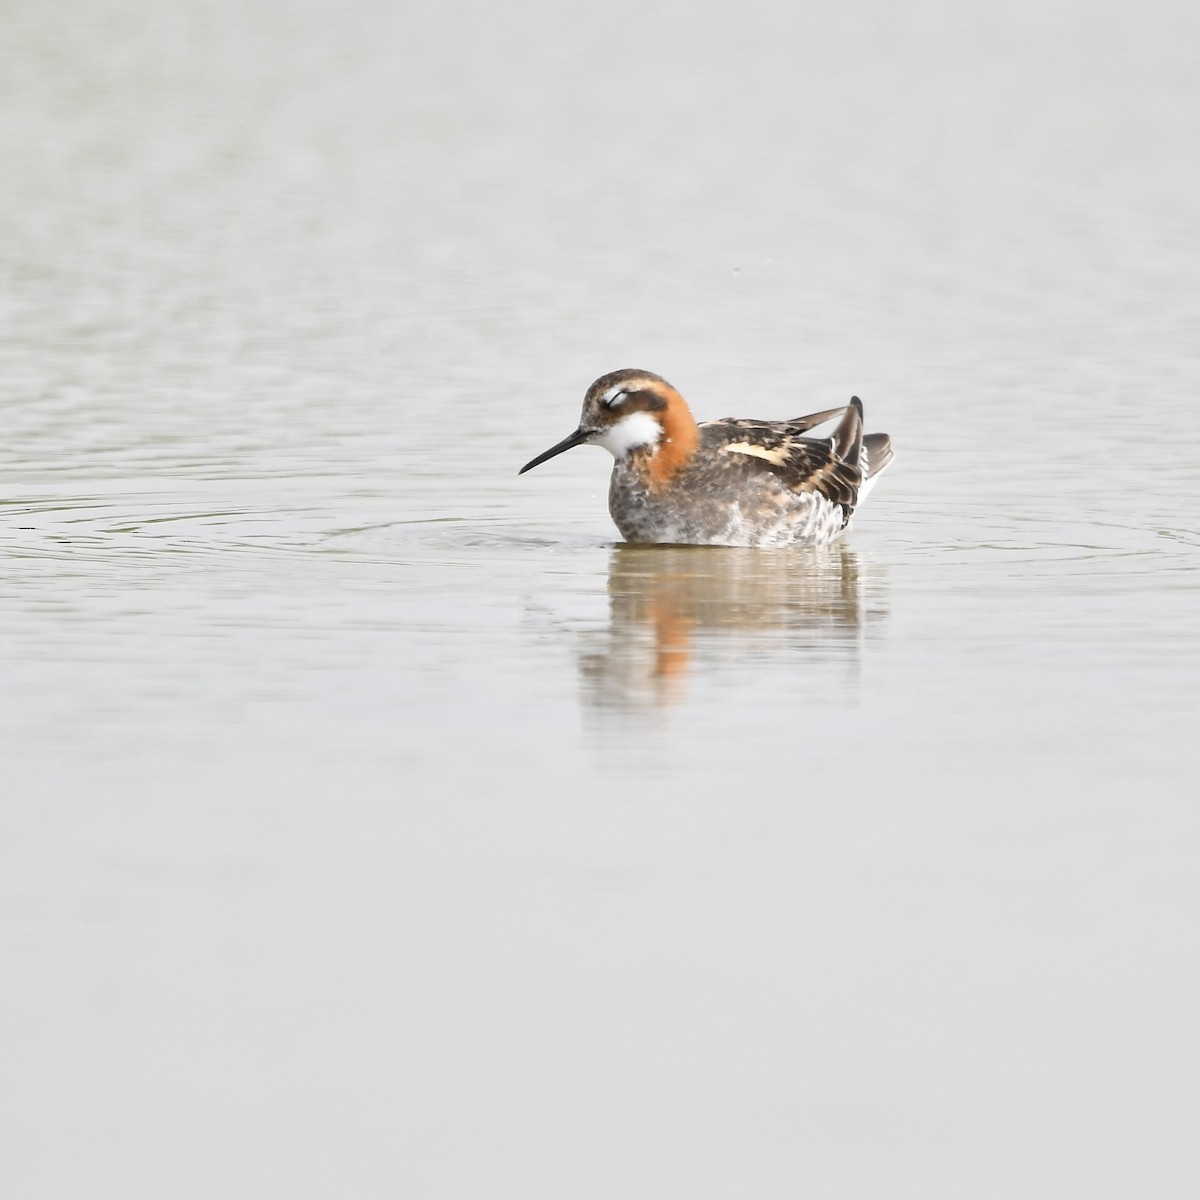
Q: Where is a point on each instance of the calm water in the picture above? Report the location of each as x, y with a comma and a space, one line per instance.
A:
373, 825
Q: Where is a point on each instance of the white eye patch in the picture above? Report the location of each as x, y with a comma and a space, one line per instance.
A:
615, 396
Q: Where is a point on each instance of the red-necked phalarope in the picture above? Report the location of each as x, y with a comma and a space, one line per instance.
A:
726, 482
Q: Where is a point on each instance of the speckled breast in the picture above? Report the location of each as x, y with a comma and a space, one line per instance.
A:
719, 508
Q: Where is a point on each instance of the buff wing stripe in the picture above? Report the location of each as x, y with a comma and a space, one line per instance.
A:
829, 466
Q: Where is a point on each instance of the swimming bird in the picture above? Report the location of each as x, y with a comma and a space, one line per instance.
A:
727, 482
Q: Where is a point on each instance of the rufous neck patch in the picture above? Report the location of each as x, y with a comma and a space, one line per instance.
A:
681, 437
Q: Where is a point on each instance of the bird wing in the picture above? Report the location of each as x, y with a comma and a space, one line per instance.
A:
830, 466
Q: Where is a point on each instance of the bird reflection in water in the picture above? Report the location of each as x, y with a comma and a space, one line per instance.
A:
678, 611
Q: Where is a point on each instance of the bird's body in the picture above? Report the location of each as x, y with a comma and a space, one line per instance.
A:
727, 482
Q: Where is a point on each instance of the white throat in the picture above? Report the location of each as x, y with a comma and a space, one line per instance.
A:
629, 433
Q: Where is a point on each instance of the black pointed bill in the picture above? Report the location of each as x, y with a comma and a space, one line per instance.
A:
572, 440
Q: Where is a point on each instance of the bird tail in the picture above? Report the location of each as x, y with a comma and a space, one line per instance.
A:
879, 452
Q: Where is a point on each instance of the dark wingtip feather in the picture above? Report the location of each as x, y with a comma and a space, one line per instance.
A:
847, 438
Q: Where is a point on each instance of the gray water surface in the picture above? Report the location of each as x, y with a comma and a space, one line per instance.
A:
374, 824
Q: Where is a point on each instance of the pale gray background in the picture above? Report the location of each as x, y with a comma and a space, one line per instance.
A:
372, 827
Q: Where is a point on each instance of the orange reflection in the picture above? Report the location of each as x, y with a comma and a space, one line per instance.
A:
674, 607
